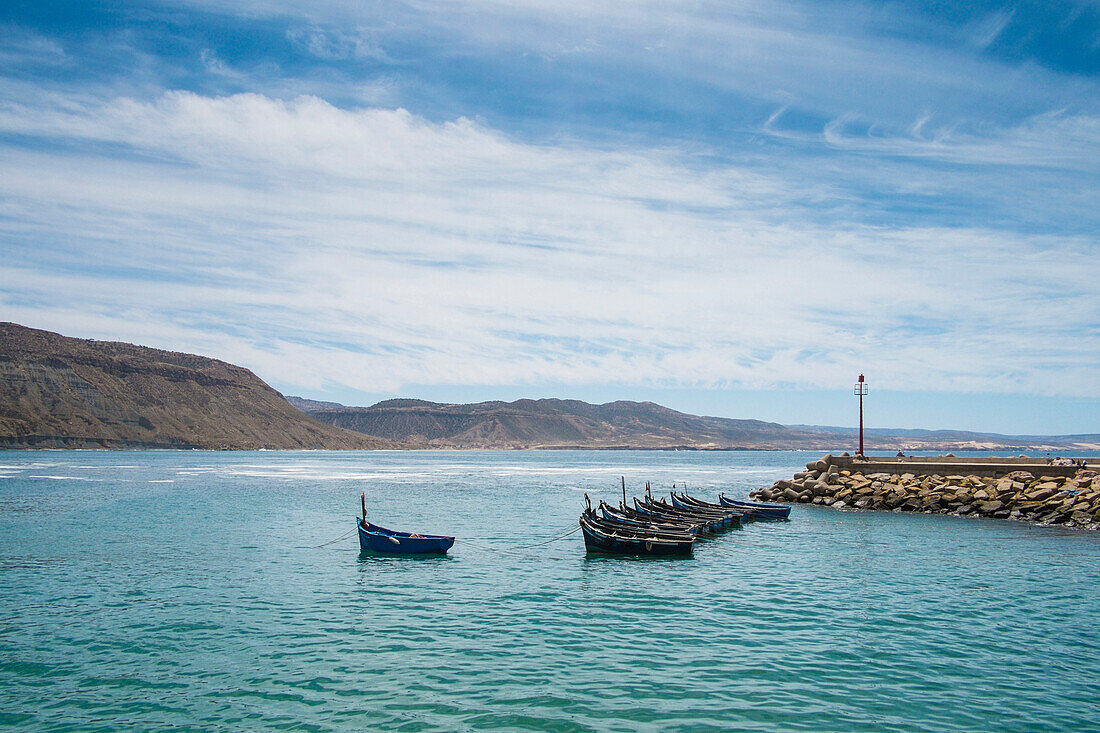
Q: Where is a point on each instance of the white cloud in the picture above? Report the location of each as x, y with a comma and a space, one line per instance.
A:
989, 29
372, 248
21, 46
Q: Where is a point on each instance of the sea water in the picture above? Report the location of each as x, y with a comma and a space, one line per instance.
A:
196, 591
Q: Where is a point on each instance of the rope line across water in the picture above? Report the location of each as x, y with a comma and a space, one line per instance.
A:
471, 544
553, 539
326, 544
510, 550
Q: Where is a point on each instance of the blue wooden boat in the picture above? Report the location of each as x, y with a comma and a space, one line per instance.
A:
707, 524
761, 510
601, 538
373, 538
627, 518
608, 516
683, 501
723, 519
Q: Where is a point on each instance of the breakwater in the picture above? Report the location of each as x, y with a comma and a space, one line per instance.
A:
1019, 489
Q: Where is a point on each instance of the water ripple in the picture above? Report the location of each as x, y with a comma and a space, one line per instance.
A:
204, 604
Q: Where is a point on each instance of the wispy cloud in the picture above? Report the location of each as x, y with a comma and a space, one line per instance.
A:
438, 192
373, 248
22, 46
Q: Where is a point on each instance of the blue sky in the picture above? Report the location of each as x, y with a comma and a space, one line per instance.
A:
728, 208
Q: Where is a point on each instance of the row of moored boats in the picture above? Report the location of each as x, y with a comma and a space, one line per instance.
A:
657, 526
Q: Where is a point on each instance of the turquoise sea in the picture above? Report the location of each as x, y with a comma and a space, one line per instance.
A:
187, 591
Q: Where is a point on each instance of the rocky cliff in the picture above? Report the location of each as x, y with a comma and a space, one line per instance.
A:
74, 393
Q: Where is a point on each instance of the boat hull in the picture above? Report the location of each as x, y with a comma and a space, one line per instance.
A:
599, 541
689, 503
715, 521
760, 510
382, 541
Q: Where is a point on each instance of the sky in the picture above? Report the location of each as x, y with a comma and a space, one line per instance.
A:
728, 208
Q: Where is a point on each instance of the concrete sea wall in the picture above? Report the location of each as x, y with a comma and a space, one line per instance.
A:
1028, 491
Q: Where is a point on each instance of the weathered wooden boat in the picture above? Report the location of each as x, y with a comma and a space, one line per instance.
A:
600, 538
376, 539
631, 518
692, 526
736, 517
605, 516
373, 538
762, 511
724, 519
636, 532
705, 524
683, 501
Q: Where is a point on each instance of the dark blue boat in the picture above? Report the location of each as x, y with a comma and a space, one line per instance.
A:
721, 519
683, 501
762, 511
621, 519
706, 524
380, 540
602, 538
373, 538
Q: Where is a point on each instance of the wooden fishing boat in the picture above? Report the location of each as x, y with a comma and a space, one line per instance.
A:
720, 520
763, 511
373, 538
376, 539
606, 518
683, 501
721, 512
630, 518
600, 538
694, 526
659, 515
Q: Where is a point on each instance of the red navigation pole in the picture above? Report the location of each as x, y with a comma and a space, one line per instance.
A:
861, 390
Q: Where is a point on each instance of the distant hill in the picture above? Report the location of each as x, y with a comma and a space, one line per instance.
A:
65, 392
551, 423
917, 439
305, 405
60, 392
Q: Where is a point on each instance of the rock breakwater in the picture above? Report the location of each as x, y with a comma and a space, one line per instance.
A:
1022, 495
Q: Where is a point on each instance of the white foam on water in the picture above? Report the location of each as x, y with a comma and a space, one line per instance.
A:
105, 468
333, 476
162, 481
68, 478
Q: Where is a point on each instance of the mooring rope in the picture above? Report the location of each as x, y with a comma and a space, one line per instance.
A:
471, 544
486, 548
553, 539
326, 544
510, 550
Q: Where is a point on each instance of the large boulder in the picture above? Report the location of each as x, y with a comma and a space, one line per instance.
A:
1041, 494
988, 507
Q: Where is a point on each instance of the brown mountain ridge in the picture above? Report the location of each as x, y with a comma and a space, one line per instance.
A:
552, 423
60, 392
